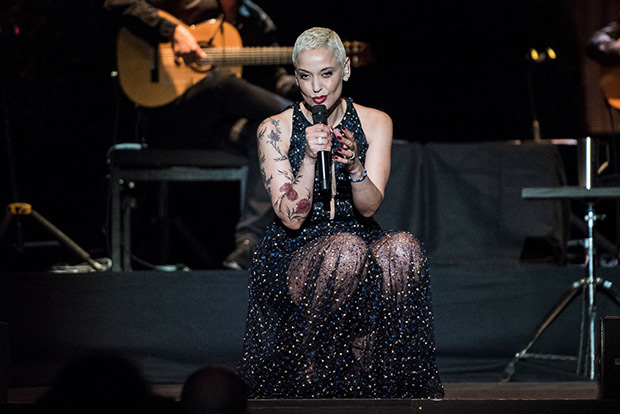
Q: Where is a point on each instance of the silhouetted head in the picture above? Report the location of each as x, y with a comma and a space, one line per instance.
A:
101, 383
213, 390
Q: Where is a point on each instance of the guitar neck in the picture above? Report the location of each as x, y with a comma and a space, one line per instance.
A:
246, 56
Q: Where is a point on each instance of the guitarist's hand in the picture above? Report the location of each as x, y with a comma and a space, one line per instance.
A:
185, 46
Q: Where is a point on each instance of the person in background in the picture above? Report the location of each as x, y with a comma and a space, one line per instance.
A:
222, 110
102, 383
603, 46
214, 390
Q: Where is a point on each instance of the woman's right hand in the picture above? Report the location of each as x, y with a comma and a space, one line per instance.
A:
318, 138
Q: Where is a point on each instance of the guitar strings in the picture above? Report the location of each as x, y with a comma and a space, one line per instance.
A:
257, 55
237, 55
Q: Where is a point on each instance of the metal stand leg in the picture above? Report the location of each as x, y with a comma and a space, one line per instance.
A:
128, 204
587, 353
589, 339
115, 221
25, 209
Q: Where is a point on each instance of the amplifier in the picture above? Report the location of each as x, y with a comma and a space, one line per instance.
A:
610, 357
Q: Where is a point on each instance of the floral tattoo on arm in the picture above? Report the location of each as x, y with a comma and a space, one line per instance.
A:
274, 138
287, 190
266, 180
300, 211
302, 207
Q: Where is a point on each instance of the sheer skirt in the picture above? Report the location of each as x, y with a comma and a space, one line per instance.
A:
346, 315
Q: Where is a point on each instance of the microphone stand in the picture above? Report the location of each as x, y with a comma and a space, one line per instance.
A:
11, 29
535, 58
15, 209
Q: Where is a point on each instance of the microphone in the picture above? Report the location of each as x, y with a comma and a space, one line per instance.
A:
323, 159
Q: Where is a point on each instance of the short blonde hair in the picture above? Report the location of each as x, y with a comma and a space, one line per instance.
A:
320, 37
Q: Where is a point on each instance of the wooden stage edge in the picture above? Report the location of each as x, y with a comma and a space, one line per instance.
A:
565, 390
461, 398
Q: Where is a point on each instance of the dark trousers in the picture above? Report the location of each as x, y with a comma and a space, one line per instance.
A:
203, 118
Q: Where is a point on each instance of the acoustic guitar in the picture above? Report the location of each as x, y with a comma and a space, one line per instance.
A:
610, 85
150, 76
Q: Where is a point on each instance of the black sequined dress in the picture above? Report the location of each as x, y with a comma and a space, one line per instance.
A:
339, 308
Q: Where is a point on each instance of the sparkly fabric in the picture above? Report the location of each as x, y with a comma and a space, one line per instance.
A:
339, 308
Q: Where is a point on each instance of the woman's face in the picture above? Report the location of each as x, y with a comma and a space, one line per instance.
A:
319, 76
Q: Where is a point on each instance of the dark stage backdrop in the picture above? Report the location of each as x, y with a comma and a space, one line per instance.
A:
463, 200
445, 72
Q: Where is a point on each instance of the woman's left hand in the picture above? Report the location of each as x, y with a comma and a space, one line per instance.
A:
347, 154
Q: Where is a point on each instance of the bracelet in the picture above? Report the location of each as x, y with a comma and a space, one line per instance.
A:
359, 179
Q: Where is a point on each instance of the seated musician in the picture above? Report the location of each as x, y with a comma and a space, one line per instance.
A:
221, 110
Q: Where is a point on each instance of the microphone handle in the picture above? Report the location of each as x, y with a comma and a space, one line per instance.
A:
323, 165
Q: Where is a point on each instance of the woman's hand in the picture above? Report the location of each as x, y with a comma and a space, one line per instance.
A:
318, 138
347, 154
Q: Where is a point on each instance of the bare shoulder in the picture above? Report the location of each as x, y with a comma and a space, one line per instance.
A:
279, 124
286, 115
374, 122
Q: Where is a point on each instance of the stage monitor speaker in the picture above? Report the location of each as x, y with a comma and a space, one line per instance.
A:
4, 362
610, 357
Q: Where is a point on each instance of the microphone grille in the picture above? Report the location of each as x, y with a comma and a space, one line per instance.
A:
319, 114
317, 109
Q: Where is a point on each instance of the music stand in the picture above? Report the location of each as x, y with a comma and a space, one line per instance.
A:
588, 285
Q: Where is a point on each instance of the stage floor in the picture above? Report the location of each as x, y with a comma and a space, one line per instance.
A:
458, 391
461, 397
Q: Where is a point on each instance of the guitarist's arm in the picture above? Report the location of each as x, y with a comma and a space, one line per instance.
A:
144, 19
604, 47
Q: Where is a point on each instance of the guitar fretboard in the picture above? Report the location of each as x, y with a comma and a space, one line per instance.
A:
243, 56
